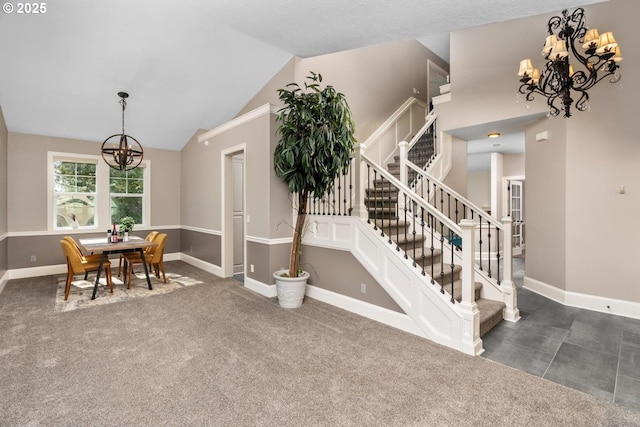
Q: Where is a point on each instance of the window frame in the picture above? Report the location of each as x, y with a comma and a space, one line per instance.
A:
102, 208
146, 197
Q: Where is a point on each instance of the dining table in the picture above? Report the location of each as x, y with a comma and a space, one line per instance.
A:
106, 248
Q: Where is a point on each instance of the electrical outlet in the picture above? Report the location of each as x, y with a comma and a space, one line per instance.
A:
33, 258
252, 269
363, 288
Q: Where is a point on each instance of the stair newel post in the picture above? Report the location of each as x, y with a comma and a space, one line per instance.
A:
403, 146
360, 178
511, 312
471, 342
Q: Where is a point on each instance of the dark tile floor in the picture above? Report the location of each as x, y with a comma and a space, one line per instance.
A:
589, 351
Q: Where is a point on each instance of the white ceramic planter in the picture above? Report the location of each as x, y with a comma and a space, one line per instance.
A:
290, 289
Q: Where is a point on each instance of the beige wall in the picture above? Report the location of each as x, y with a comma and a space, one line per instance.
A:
458, 180
269, 93
513, 164
576, 220
479, 188
338, 271
267, 197
28, 176
4, 227
546, 202
375, 80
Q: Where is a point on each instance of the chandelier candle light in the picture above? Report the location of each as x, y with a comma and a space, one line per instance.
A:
558, 81
128, 153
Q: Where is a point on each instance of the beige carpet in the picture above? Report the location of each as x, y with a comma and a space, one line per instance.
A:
81, 290
217, 354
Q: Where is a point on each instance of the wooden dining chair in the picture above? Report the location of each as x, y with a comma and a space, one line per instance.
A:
153, 258
79, 264
152, 235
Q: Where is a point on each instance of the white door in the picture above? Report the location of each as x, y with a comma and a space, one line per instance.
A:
238, 214
517, 215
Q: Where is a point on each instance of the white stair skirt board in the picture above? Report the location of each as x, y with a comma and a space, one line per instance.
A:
432, 312
585, 301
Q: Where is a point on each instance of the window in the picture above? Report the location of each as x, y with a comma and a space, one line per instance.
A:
126, 193
74, 193
84, 187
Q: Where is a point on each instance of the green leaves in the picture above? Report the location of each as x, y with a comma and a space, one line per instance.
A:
316, 136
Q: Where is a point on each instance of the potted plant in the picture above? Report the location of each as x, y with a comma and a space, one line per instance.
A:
316, 139
126, 226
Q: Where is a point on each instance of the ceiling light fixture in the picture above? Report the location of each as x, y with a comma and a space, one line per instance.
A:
558, 80
493, 134
127, 153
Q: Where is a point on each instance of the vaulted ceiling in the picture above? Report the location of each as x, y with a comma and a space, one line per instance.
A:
195, 63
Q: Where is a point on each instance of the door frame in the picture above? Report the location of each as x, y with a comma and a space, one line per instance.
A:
506, 197
226, 208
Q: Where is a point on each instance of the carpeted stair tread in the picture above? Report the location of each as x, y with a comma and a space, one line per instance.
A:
490, 314
457, 288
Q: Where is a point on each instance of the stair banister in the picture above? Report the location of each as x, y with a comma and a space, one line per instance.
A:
471, 342
453, 193
373, 143
404, 146
506, 285
412, 195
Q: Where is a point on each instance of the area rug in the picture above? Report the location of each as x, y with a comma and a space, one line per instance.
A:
81, 290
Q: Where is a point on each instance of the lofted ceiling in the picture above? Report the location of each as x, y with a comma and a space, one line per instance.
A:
195, 63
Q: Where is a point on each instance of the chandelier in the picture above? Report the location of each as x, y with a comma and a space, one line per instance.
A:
124, 152
559, 82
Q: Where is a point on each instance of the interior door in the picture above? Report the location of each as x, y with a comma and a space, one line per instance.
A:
238, 213
517, 215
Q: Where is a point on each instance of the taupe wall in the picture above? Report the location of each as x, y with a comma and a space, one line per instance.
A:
4, 227
338, 271
479, 188
457, 180
375, 80
267, 198
546, 202
203, 246
28, 176
47, 249
576, 220
27, 195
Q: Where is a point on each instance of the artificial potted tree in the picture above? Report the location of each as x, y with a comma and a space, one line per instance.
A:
316, 133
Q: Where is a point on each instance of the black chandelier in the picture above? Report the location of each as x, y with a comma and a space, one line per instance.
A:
127, 153
558, 81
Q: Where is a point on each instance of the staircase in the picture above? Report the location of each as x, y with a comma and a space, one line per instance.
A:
382, 204
444, 261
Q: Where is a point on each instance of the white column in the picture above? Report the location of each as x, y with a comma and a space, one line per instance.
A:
403, 146
471, 342
509, 292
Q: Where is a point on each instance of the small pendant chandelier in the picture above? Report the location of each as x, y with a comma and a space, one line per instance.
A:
127, 153
559, 81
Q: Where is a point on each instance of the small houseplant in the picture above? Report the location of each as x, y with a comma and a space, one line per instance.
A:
126, 226
316, 133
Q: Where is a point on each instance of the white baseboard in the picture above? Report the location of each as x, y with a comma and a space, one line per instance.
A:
588, 302
268, 291
3, 280
379, 314
203, 265
45, 270
49, 270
